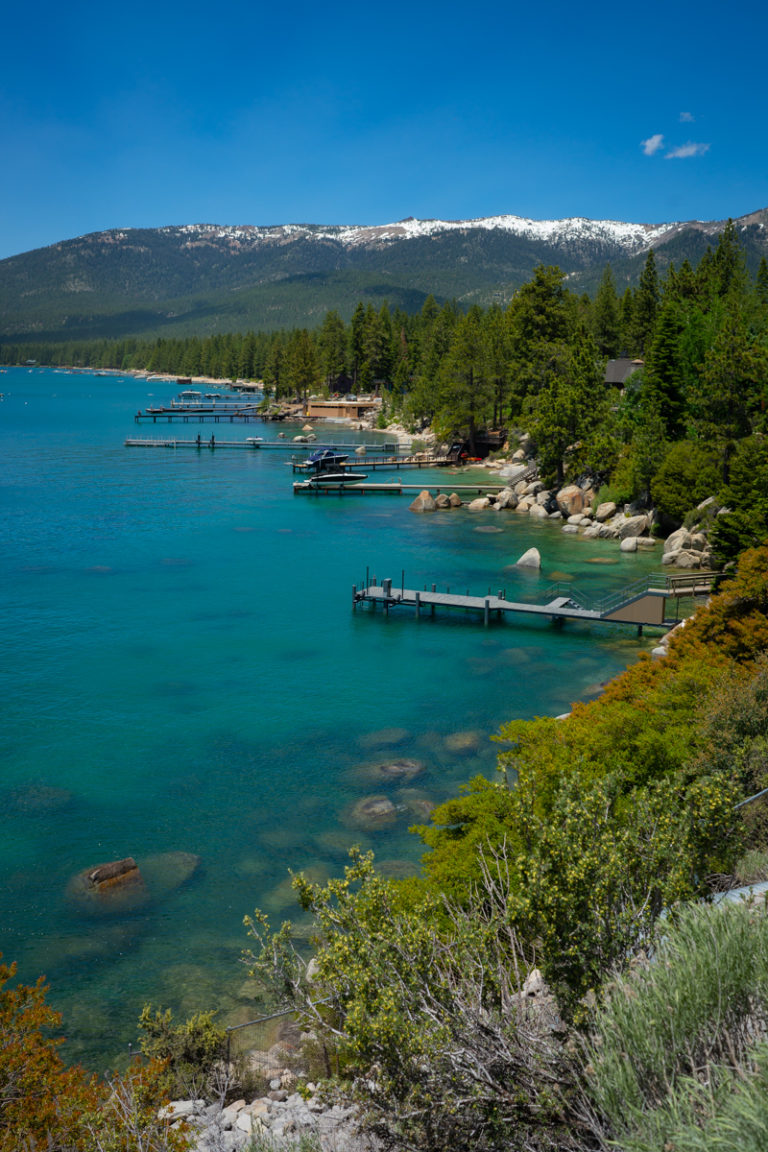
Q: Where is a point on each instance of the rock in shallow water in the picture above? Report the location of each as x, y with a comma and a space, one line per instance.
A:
373, 812
530, 559
109, 889
120, 886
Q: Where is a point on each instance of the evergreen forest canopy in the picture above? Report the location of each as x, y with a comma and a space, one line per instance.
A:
687, 425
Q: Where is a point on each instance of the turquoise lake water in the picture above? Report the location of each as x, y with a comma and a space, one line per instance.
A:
182, 672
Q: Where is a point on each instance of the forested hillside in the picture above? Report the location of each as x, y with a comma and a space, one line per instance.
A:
202, 279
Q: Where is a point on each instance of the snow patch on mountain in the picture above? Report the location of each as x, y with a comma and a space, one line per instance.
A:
626, 236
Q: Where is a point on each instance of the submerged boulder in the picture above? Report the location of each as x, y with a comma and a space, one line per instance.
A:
109, 889
120, 886
404, 768
167, 871
373, 812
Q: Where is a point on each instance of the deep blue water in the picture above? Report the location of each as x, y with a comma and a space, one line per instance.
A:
182, 671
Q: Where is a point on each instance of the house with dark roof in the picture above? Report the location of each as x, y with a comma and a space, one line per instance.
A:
617, 372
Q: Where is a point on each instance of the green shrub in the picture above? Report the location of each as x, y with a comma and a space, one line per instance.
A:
191, 1050
688, 474
676, 1057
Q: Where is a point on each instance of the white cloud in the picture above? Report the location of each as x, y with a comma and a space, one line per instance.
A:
684, 151
652, 144
686, 118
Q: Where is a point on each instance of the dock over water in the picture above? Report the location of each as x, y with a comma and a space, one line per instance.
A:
647, 602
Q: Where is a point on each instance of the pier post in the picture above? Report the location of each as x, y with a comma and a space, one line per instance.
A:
486, 610
354, 596
418, 604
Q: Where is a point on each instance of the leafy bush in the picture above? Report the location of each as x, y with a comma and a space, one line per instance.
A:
190, 1052
423, 1005
46, 1106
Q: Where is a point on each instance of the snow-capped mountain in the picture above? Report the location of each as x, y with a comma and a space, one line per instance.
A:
201, 278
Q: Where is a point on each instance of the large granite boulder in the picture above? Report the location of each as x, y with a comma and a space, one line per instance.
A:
605, 511
506, 498
538, 512
424, 502
454, 500
479, 505
688, 559
570, 500
677, 540
629, 544
632, 526
530, 559
442, 501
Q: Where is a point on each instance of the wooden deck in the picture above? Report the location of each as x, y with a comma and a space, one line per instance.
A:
361, 487
281, 445
642, 604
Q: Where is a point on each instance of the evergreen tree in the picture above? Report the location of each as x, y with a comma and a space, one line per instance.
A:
606, 317
464, 392
627, 323
646, 304
761, 283
663, 375
332, 347
732, 387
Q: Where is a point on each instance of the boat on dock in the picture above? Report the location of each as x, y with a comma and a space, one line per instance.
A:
321, 479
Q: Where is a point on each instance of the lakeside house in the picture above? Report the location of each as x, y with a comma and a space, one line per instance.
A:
343, 408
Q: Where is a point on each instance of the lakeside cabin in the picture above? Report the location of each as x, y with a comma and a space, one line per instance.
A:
341, 409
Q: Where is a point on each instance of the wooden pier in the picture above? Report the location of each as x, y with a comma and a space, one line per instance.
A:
251, 444
339, 488
184, 415
643, 603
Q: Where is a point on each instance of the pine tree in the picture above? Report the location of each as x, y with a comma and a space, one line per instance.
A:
663, 373
606, 318
761, 283
646, 304
332, 347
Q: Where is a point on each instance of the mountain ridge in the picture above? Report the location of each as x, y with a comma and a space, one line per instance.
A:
203, 278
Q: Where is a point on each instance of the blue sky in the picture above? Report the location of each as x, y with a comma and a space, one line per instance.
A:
161, 113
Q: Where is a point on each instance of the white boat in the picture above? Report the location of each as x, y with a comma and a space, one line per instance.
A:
330, 477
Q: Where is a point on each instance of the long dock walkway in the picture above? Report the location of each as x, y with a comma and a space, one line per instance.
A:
396, 489
251, 444
642, 603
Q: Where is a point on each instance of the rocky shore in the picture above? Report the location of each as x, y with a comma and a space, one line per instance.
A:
282, 1116
632, 526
